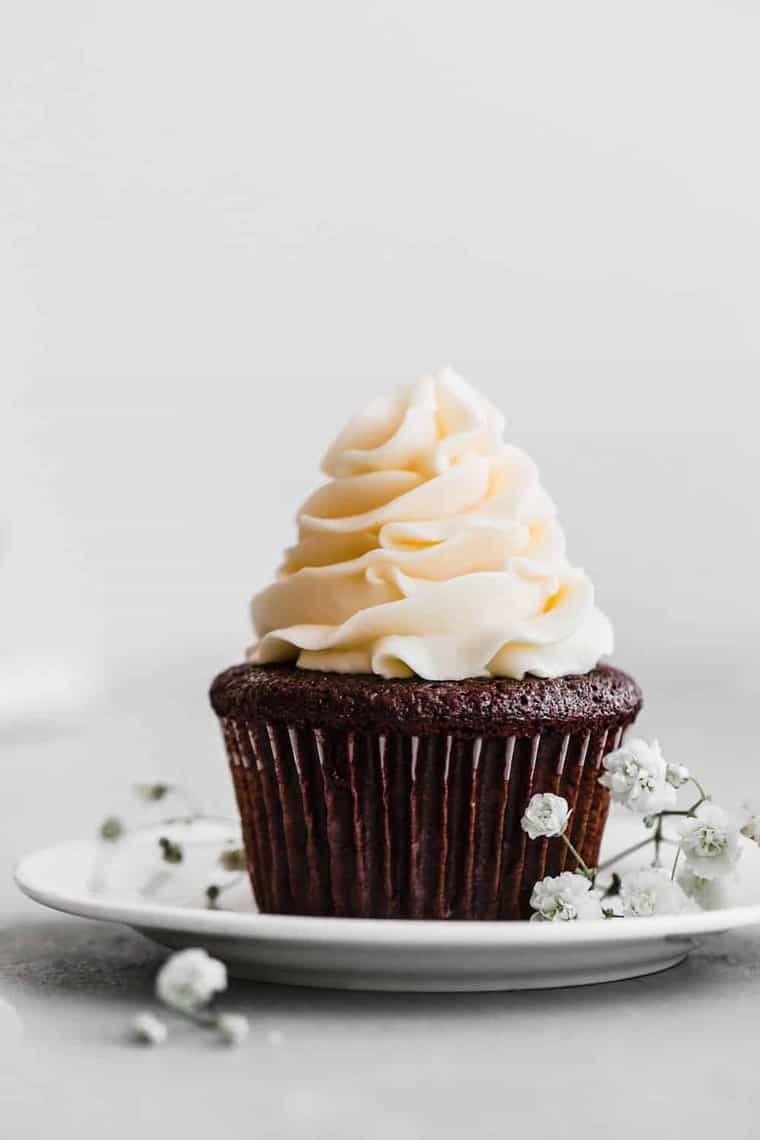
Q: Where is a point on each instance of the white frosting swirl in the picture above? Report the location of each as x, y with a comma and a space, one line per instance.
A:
433, 551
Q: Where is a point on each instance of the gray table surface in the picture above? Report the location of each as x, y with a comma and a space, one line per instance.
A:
674, 1053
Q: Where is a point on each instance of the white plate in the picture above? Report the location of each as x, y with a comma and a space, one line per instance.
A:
129, 884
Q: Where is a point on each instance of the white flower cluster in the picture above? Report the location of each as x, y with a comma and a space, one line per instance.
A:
709, 894
639, 778
186, 983
751, 822
643, 894
564, 898
651, 891
710, 842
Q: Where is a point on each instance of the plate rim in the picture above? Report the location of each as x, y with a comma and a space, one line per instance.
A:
307, 929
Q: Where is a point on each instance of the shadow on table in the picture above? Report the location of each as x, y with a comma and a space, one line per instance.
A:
68, 955
71, 956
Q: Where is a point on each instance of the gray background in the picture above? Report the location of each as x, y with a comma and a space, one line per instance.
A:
226, 227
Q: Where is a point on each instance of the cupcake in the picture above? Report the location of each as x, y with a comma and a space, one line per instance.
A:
426, 660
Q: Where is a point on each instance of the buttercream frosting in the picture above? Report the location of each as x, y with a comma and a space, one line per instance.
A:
433, 550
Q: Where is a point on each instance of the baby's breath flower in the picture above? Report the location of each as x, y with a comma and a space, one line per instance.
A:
545, 815
233, 860
111, 828
564, 898
189, 979
751, 829
232, 1028
636, 777
170, 852
151, 792
710, 894
148, 1030
751, 822
710, 842
677, 775
649, 892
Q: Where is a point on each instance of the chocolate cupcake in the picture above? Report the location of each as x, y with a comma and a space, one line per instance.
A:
427, 660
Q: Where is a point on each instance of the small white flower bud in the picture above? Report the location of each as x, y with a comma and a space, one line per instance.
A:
111, 829
677, 775
232, 1028
751, 822
189, 979
148, 1030
635, 776
710, 842
151, 793
233, 860
545, 815
751, 829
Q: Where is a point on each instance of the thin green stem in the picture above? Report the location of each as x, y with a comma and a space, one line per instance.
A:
657, 837
628, 851
675, 863
584, 869
212, 900
699, 788
611, 889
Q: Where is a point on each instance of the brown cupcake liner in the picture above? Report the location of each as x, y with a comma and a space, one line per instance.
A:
392, 825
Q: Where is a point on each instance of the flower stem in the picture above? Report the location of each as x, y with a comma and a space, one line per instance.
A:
700, 789
213, 891
675, 863
660, 815
628, 851
657, 841
584, 869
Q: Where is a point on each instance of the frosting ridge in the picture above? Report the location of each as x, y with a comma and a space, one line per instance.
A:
433, 550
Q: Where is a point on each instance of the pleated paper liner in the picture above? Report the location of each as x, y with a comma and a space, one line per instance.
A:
391, 825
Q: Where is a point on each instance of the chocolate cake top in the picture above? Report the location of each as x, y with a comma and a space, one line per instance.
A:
476, 706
